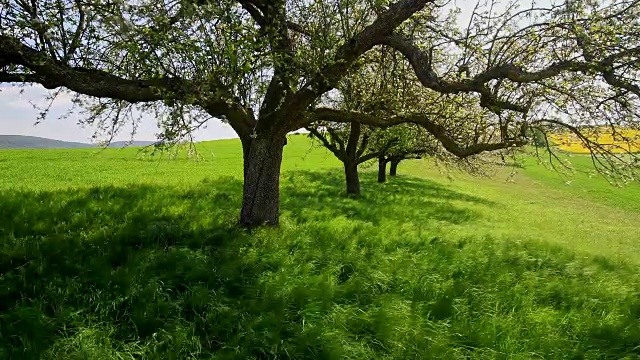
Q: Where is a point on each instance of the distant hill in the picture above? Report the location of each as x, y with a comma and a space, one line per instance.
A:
34, 142
121, 144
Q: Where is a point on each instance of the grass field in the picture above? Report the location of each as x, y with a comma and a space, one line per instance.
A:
106, 255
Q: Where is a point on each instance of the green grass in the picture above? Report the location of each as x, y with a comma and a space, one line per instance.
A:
587, 184
109, 256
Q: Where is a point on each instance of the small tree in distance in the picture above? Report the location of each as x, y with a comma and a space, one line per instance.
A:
381, 88
376, 90
351, 144
414, 143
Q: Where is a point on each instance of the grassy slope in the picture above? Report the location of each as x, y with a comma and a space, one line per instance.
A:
60, 169
589, 215
106, 256
586, 185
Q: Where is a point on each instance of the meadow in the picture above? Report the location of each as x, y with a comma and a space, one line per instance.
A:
113, 255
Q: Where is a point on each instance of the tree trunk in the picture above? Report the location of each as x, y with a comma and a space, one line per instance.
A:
393, 169
351, 160
382, 169
353, 180
261, 193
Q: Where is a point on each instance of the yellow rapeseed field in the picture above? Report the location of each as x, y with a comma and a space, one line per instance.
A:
625, 141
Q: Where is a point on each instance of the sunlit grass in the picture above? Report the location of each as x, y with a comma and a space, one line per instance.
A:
111, 256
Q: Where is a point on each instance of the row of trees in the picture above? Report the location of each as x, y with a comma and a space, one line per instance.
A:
378, 89
271, 67
381, 88
355, 144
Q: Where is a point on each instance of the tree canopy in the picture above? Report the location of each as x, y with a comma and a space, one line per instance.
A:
265, 66
381, 87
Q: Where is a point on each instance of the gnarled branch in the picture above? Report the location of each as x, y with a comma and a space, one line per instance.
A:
424, 120
217, 100
421, 63
352, 49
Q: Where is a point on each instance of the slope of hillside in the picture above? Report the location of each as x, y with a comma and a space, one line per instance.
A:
34, 142
123, 144
111, 254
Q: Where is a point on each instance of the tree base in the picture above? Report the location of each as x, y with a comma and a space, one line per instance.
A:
353, 180
382, 170
261, 193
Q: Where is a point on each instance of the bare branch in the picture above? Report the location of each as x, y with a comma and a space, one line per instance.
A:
218, 100
328, 77
438, 131
376, 154
75, 41
421, 64
325, 142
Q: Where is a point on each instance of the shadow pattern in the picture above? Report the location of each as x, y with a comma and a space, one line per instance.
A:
319, 196
163, 273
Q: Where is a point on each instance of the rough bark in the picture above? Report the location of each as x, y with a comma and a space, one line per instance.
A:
382, 169
353, 180
261, 193
351, 160
393, 168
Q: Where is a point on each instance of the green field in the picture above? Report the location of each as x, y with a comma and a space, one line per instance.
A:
111, 255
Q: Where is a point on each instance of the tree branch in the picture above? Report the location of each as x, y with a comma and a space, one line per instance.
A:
298, 28
327, 77
438, 131
254, 11
363, 145
413, 154
217, 100
325, 142
421, 64
75, 41
354, 139
271, 17
18, 78
370, 156
51, 75
380, 153
336, 137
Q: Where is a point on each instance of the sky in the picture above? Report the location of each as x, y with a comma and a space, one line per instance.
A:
18, 117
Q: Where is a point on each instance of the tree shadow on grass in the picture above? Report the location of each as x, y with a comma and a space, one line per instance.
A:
315, 196
138, 255
162, 272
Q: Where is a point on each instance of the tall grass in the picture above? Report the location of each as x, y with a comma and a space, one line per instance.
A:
116, 261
